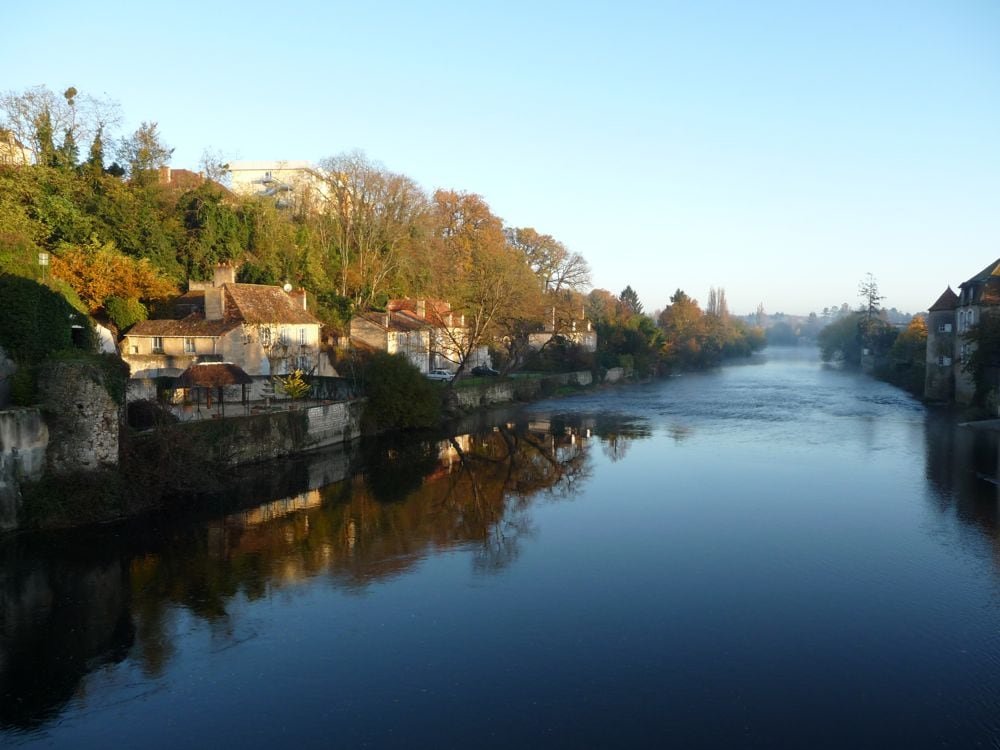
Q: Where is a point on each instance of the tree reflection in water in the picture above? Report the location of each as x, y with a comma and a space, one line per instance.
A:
357, 518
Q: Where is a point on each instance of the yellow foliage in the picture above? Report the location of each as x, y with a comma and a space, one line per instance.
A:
293, 385
98, 271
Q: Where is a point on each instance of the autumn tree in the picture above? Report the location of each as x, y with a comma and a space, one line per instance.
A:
906, 364
483, 279
97, 272
368, 223
556, 268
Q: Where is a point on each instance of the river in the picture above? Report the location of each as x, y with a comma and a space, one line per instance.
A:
773, 554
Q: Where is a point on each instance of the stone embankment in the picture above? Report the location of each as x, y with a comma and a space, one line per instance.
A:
503, 391
263, 437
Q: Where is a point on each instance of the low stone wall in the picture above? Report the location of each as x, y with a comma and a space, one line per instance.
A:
262, 437
515, 389
24, 438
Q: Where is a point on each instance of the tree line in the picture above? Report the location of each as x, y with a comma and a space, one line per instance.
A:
121, 244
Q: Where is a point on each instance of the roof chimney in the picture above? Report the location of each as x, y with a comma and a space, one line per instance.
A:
225, 273
421, 308
215, 304
299, 298
164, 175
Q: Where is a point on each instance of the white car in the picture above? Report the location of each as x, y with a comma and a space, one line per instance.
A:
439, 375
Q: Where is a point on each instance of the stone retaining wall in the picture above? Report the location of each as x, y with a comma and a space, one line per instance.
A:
515, 389
24, 438
262, 437
82, 417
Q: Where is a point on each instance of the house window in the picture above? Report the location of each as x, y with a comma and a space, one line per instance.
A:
189, 346
944, 328
302, 337
284, 336
265, 337
944, 361
135, 348
158, 344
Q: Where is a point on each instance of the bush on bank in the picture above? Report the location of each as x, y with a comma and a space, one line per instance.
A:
399, 396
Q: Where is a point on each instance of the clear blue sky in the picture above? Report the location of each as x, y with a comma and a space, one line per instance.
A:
778, 149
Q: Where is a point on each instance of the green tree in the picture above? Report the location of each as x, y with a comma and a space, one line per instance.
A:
46, 153
95, 157
399, 396
630, 300
842, 340
144, 152
125, 312
69, 153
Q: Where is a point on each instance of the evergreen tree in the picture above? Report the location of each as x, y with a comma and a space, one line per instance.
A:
630, 300
43, 135
68, 154
95, 160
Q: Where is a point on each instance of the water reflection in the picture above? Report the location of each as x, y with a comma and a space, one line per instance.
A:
61, 617
963, 466
356, 517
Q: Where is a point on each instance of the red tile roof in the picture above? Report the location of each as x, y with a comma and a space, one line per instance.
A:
211, 374
947, 301
193, 325
245, 303
261, 303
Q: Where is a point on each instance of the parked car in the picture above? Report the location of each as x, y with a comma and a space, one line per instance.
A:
484, 371
439, 375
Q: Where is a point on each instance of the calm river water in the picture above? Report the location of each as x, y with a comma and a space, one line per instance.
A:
775, 554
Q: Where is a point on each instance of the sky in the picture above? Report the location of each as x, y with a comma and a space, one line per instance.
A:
779, 150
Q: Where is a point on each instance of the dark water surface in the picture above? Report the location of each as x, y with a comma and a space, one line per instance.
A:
776, 554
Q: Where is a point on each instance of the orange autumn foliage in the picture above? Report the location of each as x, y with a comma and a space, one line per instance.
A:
99, 271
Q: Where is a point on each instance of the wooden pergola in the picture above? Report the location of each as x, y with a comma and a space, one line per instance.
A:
218, 375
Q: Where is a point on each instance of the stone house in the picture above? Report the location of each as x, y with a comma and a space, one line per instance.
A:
575, 329
427, 332
12, 151
264, 330
949, 319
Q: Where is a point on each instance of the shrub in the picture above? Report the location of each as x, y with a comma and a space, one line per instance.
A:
399, 396
147, 413
293, 385
125, 312
34, 320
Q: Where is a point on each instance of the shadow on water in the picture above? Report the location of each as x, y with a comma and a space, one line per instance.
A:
963, 467
71, 603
